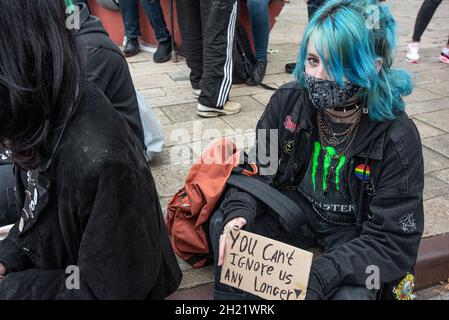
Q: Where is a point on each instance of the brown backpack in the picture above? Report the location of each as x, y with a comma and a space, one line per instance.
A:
191, 207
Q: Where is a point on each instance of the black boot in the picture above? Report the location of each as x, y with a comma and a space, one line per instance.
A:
259, 71
163, 52
131, 48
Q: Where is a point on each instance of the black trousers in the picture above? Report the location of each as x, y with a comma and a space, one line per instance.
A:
425, 14
207, 32
316, 232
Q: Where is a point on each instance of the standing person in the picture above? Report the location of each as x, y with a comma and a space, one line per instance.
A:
207, 31
153, 10
88, 202
260, 29
349, 156
423, 18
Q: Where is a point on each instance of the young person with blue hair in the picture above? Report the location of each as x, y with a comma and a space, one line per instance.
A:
348, 155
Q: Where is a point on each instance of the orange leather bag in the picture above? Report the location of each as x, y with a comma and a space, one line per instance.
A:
191, 207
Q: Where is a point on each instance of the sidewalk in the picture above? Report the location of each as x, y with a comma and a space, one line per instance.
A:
167, 89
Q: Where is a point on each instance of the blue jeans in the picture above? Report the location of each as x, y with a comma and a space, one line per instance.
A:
153, 9
315, 232
313, 5
260, 26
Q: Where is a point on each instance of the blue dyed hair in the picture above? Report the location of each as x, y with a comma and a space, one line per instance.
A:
350, 36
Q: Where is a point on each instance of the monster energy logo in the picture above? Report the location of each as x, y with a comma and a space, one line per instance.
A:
330, 153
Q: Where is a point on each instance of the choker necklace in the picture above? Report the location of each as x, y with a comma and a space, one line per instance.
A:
346, 109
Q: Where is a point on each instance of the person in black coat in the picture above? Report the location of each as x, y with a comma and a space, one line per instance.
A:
108, 69
91, 226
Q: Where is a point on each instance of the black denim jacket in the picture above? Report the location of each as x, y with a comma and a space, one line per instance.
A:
389, 206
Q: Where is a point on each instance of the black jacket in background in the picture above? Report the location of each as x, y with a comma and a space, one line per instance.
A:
97, 209
390, 218
108, 69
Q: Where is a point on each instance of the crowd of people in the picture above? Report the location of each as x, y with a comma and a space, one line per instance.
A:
79, 192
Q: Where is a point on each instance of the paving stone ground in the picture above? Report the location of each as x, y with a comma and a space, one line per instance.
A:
170, 95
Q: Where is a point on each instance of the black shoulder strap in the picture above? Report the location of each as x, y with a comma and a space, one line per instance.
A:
290, 214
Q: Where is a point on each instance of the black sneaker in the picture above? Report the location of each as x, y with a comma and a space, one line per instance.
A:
163, 52
259, 71
131, 47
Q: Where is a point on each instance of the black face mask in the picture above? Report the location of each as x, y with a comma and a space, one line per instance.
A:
326, 94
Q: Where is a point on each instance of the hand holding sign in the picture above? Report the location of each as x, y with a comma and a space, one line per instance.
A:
267, 268
236, 224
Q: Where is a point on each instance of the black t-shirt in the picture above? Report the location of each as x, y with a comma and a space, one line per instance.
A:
325, 184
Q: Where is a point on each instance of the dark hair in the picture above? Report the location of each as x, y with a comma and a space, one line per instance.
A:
40, 75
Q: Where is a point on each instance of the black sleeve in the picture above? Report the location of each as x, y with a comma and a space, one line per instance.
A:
119, 256
238, 203
109, 70
390, 241
12, 254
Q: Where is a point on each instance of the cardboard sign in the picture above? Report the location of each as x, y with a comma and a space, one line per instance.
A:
265, 267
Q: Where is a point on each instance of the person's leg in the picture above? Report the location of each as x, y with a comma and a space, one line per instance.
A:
312, 6
189, 19
155, 15
260, 26
8, 207
354, 293
130, 15
219, 18
423, 18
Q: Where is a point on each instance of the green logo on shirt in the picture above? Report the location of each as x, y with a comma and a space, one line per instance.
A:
329, 154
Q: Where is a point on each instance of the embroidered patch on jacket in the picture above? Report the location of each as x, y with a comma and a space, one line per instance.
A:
290, 125
407, 223
359, 172
5, 155
288, 146
404, 290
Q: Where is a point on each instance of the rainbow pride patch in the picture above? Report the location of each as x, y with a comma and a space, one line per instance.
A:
359, 172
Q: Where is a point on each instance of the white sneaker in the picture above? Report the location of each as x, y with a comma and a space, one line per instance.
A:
196, 93
229, 108
413, 52
444, 56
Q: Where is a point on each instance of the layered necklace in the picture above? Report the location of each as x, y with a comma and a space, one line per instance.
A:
334, 137
338, 136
